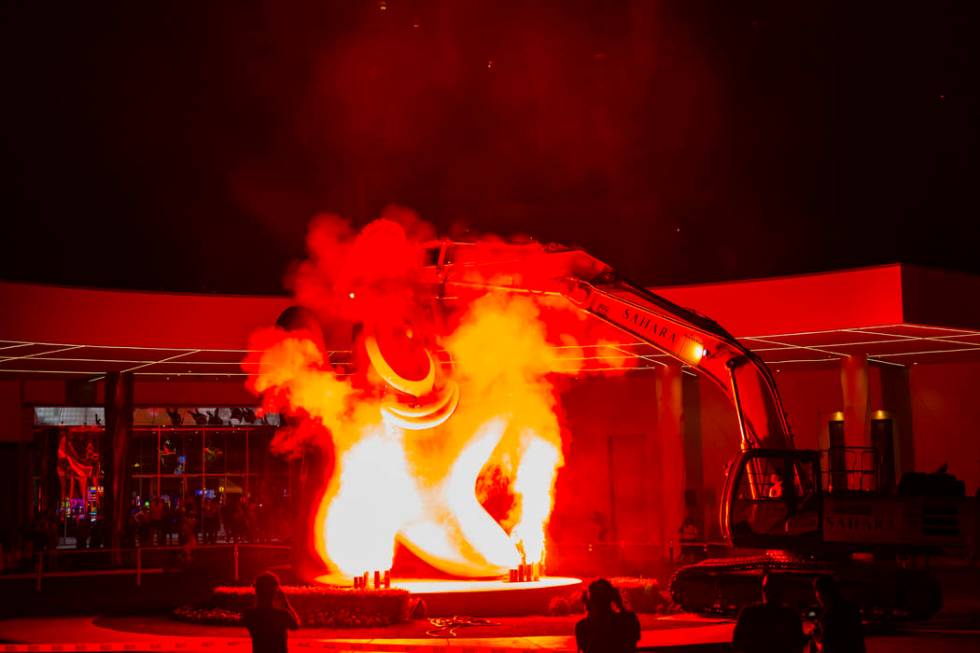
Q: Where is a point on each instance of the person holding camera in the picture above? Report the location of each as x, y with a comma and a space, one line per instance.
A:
271, 618
605, 629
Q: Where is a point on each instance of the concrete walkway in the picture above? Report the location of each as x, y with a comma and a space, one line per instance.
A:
64, 634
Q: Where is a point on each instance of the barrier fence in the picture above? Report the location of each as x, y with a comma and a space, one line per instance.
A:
136, 561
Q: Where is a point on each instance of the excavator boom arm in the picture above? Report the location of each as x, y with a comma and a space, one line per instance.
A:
700, 343
686, 336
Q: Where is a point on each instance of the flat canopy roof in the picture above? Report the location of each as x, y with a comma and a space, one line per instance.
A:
894, 314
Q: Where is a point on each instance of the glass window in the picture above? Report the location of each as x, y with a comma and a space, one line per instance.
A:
776, 495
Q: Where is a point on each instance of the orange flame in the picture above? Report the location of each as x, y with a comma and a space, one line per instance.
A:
413, 447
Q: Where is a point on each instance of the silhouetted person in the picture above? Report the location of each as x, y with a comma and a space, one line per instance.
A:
267, 623
199, 418
210, 521
83, 531
605, 630
776, 489
176, 419
98, 535
839, 628
156, 514
770, 626
239, 520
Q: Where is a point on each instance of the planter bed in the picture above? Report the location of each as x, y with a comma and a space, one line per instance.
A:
317, 606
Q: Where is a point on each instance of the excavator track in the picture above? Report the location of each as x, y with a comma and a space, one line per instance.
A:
883, 591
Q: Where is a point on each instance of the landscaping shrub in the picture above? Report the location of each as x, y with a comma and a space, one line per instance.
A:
639, 595
316, 605
568, 603
212, 616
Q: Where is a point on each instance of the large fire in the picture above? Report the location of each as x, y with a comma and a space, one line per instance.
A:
444, 429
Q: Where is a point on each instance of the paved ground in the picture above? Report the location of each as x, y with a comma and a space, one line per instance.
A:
496, 627
954, 633
955, 630
536, 633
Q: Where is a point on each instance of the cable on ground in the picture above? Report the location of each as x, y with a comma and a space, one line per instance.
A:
447, 626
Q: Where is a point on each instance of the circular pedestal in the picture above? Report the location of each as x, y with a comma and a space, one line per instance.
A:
486, 598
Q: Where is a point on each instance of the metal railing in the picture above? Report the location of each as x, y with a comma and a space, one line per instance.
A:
850, 469
129, 561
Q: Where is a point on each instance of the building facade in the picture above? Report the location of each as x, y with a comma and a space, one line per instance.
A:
878, 367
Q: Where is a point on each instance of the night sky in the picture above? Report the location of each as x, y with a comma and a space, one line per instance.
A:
184, 146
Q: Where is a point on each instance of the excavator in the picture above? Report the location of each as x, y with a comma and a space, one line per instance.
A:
779, 512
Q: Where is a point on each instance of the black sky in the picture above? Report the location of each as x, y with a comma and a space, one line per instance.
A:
184, 146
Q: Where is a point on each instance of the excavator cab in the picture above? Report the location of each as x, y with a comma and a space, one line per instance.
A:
772, 499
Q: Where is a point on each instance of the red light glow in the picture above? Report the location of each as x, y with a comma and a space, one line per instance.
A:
420, 445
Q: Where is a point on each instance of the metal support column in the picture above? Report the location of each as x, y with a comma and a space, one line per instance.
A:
115, 453
670, 432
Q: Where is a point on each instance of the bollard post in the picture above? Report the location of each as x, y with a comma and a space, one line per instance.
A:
139, 566
40, 570
236, 561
